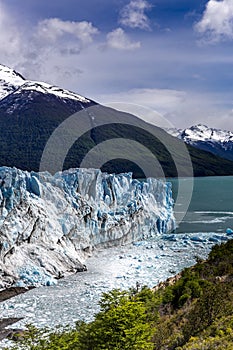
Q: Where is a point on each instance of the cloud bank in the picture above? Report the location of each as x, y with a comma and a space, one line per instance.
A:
10, 38
172, 108
54, 49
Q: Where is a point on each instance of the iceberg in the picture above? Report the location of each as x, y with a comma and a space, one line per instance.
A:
49, 224
229, 232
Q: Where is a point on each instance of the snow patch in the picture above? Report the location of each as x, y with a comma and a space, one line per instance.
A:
9, 81
50, 89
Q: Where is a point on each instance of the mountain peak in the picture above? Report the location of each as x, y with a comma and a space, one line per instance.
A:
200, 126
216, 141
13, 82
9, 72
202, 132
10, 80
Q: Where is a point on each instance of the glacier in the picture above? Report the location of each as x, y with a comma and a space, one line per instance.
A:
50, 224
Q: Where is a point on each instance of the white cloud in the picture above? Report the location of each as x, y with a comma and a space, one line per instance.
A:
53, 29
118, 39
133, 15
217, 21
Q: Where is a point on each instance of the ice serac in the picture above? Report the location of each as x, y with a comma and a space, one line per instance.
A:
49, 224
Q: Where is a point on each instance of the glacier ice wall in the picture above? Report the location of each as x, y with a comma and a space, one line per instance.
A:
49, 224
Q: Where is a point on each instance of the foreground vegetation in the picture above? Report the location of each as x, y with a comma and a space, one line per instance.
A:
193, 311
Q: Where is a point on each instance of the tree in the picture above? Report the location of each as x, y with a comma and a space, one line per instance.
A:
122, 323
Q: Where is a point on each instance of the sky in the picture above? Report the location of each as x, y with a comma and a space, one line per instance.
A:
172, 58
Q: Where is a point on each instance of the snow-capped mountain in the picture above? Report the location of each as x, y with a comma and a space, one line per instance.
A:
216, 141
31, 111
49, 224
202, 132
13, 82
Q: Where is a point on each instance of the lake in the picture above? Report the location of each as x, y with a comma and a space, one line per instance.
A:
148, 262
211, 207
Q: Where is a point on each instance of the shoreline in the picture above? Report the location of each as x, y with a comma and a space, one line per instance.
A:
7, 294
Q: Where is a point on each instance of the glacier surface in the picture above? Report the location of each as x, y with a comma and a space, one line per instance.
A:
50, 224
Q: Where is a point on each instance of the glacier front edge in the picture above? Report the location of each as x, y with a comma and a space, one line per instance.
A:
49, 224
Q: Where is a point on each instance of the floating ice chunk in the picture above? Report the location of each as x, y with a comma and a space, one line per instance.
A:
229, 231
213, 239
220, 238
171, 238
197, 239
139, 244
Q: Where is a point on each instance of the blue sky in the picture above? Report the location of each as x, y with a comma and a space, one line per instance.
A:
174, 57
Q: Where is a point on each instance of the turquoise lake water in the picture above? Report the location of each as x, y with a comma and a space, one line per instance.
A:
211, 207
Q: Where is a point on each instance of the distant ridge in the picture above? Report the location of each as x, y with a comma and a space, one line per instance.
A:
216, 141
31, 111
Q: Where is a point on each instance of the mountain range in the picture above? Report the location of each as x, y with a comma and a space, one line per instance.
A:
216, 141
30, 112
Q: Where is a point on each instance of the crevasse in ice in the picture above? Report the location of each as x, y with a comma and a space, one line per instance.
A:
49, 224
